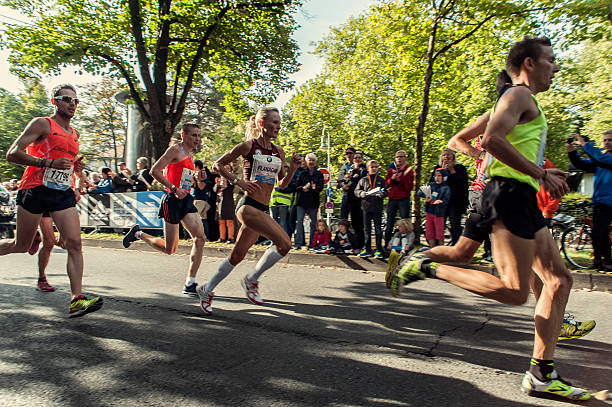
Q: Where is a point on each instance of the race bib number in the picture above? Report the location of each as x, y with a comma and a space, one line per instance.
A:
265, 168
57, 179
186, 179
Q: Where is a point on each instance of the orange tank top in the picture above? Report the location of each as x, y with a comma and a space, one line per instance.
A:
58, 144
180, 174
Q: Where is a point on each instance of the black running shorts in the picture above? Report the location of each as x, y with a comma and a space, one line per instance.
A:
247, 200
173, 210
41, 199
473, 229
514, 203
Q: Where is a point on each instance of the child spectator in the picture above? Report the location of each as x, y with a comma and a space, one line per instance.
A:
403, 240
322, 236
225, 208
371, 190
344, 241
437, 195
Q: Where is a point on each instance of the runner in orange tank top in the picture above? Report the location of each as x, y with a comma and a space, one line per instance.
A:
175, 171
49, 147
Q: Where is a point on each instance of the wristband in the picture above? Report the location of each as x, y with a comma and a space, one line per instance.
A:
174, 189
51, 164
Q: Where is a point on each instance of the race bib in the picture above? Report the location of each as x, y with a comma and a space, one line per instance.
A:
57, 179
186, 179
265, 168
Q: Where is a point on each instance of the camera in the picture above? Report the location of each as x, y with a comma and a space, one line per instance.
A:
572, 139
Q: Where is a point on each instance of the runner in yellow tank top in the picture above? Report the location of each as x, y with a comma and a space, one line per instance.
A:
516, 137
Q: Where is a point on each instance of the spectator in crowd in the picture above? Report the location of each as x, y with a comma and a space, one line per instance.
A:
599, 163
322, 237
342, 178
457, 181
400, 181
345, 241
94, 178
280, 203
357, 171
104, 186
122, 181
142, 179
225, 208
293, 209
546, 203
437, 195
403, 239
372, 190
13, 185
202, 187
310, 185
211, 215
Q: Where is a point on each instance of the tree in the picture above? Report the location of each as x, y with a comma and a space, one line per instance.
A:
245, 46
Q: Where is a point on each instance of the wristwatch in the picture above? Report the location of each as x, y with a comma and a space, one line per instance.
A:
173, 189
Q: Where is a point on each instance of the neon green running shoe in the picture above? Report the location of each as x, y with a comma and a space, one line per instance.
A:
410, 271
555, 387
392, 264
572, 329
80, 306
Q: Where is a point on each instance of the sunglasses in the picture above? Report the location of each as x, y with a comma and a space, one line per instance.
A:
400, 156
67, 99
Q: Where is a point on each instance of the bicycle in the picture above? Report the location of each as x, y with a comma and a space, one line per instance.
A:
576, 243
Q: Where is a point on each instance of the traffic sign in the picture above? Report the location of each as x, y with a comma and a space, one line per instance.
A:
329, 205
326, 175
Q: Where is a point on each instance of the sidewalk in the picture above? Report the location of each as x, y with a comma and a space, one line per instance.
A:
589, 281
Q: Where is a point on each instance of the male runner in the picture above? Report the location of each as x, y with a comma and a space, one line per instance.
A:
174, 170
48, 147
516, 137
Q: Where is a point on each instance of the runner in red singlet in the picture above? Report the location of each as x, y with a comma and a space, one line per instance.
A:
174, 170
263, 163
48, 147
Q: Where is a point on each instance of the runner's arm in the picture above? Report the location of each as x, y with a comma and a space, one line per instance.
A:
459, 142
240, 150
285, 179
170, 156
36, 130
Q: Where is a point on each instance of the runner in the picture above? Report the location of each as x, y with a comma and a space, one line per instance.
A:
48, 240
175, 170
48, 147
263, 163
516, 137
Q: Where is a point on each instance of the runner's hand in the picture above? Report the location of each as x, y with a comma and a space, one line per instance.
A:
79, 165
61, 163
296, 160
181, 193
554, 183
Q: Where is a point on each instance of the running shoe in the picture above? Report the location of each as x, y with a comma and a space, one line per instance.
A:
35, 243
205, 299
80, 306
572, 329
555, 386
43, 285
130, 236
378, 255
190, 289
364, 254
251, 289
410, 271
392, 264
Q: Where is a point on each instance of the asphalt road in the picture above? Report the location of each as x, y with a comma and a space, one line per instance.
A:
325, 337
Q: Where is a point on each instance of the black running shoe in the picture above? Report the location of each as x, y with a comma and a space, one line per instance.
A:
130, 236
190, 289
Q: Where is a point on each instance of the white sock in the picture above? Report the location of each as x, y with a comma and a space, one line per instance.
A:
138, 234
189, 280
224, 269
269, 258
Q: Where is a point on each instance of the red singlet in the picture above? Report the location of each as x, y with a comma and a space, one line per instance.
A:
180, 174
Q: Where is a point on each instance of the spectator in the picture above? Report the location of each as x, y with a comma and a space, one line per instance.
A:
310, 185
225, 208
342, 178
122, 181
293, 209
280, 203
202, 187
399, 180
322, 236
547, 205
403, 240
142, 179
437, 195
94, 178
357, 171
13, 185
104, 186
372, 190
457, 181
599, 163
344, 241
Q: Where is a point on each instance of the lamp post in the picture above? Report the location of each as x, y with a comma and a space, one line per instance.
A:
326, 146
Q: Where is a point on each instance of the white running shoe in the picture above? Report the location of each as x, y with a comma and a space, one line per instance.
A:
555, 386
251, 289
205, 299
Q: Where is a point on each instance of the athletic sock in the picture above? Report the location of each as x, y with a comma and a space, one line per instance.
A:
269, 258
541, 368
189, 280
429, 268
137, 234
224, 269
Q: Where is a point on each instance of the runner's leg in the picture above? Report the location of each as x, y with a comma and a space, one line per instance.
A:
193, 224
27, 225
48, 241
67, 222
168, 244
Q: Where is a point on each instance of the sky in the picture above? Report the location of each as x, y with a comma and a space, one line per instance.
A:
315, 18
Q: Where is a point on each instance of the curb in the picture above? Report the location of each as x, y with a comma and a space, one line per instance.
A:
585, 281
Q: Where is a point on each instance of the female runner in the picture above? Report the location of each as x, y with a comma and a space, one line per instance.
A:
262, 163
